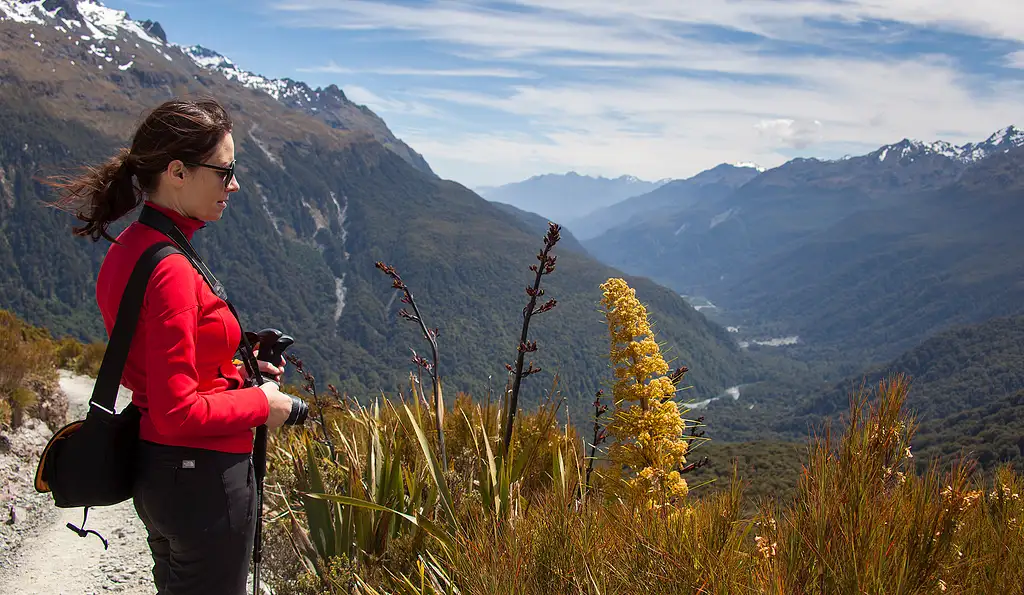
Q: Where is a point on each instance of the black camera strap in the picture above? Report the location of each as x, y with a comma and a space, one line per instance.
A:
104, 391
162, 223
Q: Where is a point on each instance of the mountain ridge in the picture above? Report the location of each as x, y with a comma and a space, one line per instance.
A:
103, 25
943, 252
563, 198
717, 241
649, 208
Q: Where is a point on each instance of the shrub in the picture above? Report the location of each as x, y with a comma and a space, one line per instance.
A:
88, 363
28, 374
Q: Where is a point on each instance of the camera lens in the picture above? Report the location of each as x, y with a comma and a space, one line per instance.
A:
299, 413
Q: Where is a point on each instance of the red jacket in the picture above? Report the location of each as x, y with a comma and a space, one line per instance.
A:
179, 366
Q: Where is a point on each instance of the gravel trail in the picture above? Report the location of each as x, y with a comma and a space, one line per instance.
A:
39, 555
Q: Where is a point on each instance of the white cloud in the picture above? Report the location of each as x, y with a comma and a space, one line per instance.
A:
633, 88
385, 105
774, 18
694, 124
333, 68
792, 133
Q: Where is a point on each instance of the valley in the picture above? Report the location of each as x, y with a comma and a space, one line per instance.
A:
833, 273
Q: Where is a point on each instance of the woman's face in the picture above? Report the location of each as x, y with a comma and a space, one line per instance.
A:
204, 189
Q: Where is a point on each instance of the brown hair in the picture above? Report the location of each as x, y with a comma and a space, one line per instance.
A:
185, 129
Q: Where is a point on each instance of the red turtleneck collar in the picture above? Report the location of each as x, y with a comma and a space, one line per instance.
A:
187, 225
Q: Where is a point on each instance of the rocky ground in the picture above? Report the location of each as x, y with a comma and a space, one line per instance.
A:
39, 555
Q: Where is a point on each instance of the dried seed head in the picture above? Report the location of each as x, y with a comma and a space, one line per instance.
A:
552, 236
677, 375
528, 347
421, 361
546, 306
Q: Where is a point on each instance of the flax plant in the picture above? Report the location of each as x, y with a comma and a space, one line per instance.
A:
431, 366
546, 266
647, 428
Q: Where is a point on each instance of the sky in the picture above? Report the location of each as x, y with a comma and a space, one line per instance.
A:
492, 92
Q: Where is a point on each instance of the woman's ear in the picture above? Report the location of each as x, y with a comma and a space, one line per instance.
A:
176, 173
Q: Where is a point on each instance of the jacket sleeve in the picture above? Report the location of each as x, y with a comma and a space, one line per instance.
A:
176, 407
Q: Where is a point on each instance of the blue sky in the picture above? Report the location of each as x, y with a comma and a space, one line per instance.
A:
493, 92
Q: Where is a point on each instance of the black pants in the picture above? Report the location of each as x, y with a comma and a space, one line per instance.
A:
199, 507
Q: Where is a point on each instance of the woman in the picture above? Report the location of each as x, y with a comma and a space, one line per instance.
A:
195, 490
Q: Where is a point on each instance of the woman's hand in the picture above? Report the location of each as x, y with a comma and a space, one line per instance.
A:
280, 405
267, 369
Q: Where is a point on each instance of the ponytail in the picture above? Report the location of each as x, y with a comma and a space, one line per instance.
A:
185, 129
100, 195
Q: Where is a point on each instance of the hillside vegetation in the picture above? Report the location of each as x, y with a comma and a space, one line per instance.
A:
965, 390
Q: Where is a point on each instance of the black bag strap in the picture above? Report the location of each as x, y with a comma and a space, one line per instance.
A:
162, 223
104, 392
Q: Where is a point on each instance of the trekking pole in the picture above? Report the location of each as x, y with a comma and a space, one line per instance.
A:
272, 344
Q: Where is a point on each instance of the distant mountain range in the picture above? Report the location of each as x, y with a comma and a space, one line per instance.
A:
882, 278
648, 209
539, 226
913, 234
563, 198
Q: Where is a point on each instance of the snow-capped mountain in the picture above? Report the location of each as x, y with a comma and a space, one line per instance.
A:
113, 37
999, 142
748, 164
329, 104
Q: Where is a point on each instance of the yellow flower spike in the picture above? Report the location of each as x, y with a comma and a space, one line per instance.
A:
646, 428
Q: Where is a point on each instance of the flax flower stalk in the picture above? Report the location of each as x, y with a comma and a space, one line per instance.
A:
647, 429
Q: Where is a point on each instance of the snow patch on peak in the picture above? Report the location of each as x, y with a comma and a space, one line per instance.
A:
1000, 141
106, 23
24, 12
207, 58
102, 22
750, 165
279, 89
1010, 134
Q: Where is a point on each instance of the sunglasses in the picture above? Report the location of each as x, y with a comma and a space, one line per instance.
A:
229, 172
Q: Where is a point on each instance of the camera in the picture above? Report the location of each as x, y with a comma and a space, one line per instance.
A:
300, 411
272, 344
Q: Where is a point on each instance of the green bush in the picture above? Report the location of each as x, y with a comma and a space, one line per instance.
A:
28, 374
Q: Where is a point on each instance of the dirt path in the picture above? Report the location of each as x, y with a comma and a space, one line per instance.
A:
44, 557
